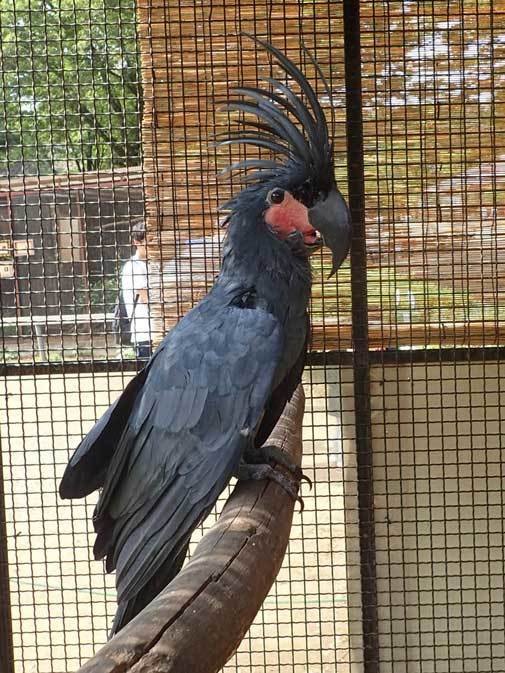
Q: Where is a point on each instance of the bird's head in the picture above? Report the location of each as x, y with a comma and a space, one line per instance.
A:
294, 189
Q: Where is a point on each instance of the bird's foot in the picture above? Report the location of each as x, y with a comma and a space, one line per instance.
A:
259, 471
272, 454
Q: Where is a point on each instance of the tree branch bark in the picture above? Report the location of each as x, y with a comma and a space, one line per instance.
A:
199, 620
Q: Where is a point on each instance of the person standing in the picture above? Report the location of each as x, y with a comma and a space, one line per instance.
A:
135, 294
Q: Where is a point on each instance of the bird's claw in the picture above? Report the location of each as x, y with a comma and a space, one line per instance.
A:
299, 499
264, 471
308, 480
272, 453
297, 472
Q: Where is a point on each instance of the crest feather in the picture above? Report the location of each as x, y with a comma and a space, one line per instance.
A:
291, 126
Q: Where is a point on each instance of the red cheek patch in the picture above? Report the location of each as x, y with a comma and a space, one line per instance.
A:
289, 216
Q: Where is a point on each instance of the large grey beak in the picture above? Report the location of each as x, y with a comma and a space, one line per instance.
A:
332, 219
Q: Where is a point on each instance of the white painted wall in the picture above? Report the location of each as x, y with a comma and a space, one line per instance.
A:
439, 509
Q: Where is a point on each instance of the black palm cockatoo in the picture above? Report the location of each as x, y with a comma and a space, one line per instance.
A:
209, 397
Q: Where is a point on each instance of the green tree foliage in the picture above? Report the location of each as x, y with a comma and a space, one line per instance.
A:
70, 85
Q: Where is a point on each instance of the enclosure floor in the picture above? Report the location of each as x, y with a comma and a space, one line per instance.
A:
62, 602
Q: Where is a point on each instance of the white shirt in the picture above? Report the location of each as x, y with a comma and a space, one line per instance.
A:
133, 279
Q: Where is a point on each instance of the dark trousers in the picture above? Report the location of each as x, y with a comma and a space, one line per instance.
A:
143, 350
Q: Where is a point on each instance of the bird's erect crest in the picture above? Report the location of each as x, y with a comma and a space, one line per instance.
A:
291, 126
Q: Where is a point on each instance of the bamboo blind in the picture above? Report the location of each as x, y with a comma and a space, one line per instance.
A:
434, 157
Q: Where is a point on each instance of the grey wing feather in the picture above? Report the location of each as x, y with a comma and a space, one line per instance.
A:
88, 465
183, 442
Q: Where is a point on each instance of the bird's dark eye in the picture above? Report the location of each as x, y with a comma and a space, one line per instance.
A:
275, 195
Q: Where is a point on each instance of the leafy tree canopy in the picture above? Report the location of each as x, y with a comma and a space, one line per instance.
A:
71, 93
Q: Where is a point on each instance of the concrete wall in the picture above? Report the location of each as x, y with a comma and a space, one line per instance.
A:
439, 510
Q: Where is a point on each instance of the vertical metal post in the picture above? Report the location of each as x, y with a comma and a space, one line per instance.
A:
356, 180
6, 645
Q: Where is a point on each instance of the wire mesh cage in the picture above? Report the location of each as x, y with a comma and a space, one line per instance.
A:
108, 115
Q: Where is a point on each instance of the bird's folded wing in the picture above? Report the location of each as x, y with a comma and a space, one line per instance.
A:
199, 408
88, 465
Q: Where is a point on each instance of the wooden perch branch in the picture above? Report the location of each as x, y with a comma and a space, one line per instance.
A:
199, 620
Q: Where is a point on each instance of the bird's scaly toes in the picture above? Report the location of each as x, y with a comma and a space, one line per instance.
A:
259, 471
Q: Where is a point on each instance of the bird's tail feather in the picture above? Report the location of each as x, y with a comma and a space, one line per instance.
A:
129, 609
